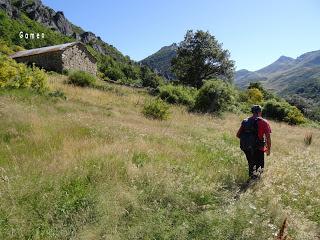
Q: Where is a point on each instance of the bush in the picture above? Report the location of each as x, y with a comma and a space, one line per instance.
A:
82, 79
149, 78
215, 96
114, 74
18, 75
58, 94
283, 111
153, 81
156, 109
4, 48
255, 96
130, 82
314, 114
178, 94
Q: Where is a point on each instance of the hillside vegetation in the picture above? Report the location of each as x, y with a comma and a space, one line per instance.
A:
94, 167
161, 61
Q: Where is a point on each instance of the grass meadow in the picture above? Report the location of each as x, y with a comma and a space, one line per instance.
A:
93, 167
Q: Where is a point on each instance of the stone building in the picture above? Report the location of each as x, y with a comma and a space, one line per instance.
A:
69, 56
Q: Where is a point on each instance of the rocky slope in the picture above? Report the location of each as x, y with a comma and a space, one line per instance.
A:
40, 13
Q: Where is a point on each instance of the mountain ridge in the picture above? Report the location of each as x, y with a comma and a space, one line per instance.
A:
160, 61
284, 68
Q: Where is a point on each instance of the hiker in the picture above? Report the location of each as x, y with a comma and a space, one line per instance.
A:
255, 140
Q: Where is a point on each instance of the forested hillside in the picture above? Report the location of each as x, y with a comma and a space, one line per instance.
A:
161, 61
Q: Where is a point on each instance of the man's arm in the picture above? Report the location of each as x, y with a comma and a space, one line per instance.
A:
239, 132
268, 137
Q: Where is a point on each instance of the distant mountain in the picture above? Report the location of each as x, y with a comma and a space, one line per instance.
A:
282, 64
287, 76
243, 77
161, 61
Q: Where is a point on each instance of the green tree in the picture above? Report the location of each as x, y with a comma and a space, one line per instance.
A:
255, 96
199, 57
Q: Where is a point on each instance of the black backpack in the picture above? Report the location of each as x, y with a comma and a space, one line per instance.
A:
249, 140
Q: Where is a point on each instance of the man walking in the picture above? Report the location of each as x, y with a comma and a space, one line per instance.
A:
255, 140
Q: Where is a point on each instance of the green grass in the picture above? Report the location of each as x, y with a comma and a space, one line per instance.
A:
93, 167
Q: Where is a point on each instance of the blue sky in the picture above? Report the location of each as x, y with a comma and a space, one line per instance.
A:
256, 32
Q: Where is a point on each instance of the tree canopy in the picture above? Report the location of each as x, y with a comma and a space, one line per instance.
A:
199, 57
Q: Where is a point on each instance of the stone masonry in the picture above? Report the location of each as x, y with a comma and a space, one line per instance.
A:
78, 58
70, 56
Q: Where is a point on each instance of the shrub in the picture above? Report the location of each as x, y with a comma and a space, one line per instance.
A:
178, 94
4, 48
18, 75
130, 82
214, 96
255, 96
283, 111
314, 114
149, 78
58, 94
82, 79
153, 81
114, 74
156, 109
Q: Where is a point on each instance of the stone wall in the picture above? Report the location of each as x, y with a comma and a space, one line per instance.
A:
50, 61
72, 58
77, 58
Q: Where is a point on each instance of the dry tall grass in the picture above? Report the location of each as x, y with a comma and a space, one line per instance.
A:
308, 139
93, 167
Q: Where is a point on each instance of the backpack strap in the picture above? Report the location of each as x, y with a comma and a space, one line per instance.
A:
260, 142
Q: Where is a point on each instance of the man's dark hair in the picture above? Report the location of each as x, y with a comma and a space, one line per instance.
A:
256, 109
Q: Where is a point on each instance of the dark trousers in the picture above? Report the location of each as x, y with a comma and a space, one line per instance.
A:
255, 162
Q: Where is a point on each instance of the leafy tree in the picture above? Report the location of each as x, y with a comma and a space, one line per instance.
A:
130, 71
200, 56
255, 96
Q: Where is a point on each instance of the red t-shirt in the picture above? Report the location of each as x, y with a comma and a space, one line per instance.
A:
263, 128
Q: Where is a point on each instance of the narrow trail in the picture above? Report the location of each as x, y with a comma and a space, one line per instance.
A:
245, 186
